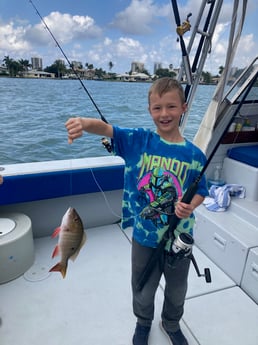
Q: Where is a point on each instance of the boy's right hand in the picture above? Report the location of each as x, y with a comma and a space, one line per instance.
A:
74, 128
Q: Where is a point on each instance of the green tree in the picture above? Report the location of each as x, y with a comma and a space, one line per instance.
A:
100, 73
89, 65
207, 77
13, 67
110, 65
25, 64
7, 61
58, 67
165, 72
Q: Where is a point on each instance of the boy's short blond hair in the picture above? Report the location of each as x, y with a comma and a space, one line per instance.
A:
164, 85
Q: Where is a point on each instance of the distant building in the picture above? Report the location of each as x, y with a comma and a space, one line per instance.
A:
157, 65
3, 70
77, 64
36, 63
133, 77
38, 74
137, 67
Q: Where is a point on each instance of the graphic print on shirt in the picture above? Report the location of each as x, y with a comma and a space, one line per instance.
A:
159, 191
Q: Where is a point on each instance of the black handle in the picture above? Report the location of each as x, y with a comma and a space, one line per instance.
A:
191, 191
150, 265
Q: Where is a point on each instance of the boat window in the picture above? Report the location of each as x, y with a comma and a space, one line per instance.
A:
237, 91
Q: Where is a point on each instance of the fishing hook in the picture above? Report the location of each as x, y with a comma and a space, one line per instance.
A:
69, 63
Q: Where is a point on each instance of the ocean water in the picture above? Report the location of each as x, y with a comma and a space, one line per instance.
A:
33, 113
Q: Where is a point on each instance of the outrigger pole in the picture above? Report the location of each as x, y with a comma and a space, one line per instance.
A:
193, 73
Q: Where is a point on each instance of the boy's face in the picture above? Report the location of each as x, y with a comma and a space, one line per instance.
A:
166, 112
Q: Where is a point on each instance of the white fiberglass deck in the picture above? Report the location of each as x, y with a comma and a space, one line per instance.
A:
92, 305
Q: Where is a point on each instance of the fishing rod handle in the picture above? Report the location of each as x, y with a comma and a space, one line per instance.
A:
187, 198
150, 265
191, 191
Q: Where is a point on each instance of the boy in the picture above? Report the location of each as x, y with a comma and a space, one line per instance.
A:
159, 167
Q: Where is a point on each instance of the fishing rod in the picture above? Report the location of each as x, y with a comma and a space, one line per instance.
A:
203, 45
181, 30
70, 64
174, 220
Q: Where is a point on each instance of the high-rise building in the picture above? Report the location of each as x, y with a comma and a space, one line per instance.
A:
157, 65
137, 66
36, 63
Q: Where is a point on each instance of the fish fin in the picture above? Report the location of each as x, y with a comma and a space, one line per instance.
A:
84, 238
56, 232
56, 251
59, 268
74, 256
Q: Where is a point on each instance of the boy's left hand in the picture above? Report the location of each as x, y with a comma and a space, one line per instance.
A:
183, 210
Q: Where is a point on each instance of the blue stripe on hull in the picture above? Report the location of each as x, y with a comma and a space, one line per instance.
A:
39, 186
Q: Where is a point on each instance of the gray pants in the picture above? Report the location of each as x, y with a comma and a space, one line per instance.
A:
175, 288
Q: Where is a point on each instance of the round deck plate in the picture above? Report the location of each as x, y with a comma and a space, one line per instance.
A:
6, 226
37, 272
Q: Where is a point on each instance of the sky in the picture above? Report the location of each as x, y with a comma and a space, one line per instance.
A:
122, 31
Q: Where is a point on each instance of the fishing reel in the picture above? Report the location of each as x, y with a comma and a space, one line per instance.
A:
106, 144
182, 248
184, 27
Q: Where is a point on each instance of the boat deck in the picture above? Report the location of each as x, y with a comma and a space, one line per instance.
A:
92, 305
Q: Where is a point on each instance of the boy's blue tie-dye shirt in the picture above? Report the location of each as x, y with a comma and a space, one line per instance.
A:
157, 174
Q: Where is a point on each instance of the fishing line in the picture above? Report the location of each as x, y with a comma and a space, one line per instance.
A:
69, 63
109, 206
104, 195
105, 141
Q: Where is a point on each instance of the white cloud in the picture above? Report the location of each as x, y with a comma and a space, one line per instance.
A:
120, 51
129, 47
247, 46
20, 39
138, 17
107, 41
83, 40
65, 28
12, 38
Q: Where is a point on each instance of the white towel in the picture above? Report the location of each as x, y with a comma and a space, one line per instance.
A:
220, 197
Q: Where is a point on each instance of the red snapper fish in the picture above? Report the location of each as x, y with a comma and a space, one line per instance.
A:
71, 239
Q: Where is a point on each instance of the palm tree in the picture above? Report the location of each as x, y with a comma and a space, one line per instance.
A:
89, 65
58, 67
12, 66
110, 65
25, 64
7, 62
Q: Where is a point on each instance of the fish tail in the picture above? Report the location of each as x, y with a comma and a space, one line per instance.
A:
59, 268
